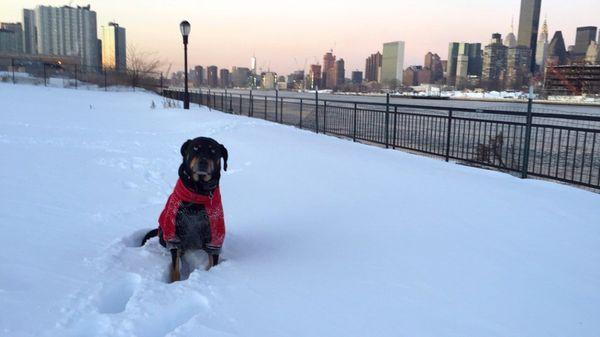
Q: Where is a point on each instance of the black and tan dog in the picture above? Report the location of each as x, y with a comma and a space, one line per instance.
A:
193, 216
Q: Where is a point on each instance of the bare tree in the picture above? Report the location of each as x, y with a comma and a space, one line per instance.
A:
141, 65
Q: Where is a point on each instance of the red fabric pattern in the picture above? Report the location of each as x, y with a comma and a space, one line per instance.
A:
213, 206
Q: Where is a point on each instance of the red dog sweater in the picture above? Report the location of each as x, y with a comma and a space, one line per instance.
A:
168, 220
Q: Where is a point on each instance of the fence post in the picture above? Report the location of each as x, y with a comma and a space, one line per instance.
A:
395, 127
300, 113
448, 133
161, 86
317, 109
281, 111
241, 111
354, 123
276, 104
76, 69
106, 87
265, 107
251, 104
45, 76
387, 120
324, 116
222, 101
12, 65
527, 134
230, 103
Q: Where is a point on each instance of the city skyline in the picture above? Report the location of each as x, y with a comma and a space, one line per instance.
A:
289, 42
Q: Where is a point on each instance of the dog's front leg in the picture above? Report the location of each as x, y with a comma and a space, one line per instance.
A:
175, 263
213, 260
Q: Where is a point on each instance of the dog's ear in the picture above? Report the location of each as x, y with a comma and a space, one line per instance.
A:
225, 156
184, 147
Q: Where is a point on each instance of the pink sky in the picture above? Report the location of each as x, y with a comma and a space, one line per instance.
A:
285, 34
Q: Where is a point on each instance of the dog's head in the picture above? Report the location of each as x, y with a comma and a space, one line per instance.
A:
202, 161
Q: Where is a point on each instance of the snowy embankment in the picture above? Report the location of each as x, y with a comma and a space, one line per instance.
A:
324, 237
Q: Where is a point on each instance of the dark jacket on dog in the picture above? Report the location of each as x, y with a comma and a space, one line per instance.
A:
193, 219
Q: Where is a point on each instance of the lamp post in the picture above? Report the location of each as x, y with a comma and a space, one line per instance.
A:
185, 28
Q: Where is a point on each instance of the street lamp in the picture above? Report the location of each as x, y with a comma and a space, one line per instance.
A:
185, 28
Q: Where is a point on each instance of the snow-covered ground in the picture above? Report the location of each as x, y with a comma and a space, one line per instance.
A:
324, 237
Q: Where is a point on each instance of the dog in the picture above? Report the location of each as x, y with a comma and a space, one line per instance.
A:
193, 215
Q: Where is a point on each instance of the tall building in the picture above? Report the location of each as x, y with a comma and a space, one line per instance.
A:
542, 47
583, 38
494, 64
474, 55
434, 63
328, 72
557, 52
314, 77
592, 56
240, 77
373, 68
269, 80
198, 76
29, 32
392, 65
224, 78
253, 64
63, 31
529, 21
114, 47
16, 37
462, 71
410, 76
340, 72
211, 76
357, 77
511, 40
518, 61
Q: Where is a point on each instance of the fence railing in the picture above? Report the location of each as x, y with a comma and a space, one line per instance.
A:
69, 75
555, 146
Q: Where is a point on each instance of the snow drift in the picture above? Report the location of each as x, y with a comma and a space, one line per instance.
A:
324, 237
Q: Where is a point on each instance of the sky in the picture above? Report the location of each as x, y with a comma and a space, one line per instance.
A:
286, 35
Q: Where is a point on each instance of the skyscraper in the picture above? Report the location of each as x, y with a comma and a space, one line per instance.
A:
253, 64
211, 76
475, 61
373, 68
584, 36
224, 78
529, 21
63, 31
462, 71
29, 32
314, 76
434, 63
392, 65
340, 72
17, 31
329, 70
198, 76
557, 52
518, 61
114, 47
494, 64
542, 47
357, 77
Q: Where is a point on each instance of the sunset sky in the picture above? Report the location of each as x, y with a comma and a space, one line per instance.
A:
286, 34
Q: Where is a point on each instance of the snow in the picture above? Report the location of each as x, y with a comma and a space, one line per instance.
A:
325, 237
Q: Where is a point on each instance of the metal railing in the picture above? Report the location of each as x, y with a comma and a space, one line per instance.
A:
554, 146
31, 70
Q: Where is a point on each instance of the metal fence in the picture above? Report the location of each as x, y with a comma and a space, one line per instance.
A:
555, 146
54, 73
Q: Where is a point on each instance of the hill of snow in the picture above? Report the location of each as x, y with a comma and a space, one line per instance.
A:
324, 237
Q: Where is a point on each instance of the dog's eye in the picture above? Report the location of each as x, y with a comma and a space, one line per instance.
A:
195, 148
